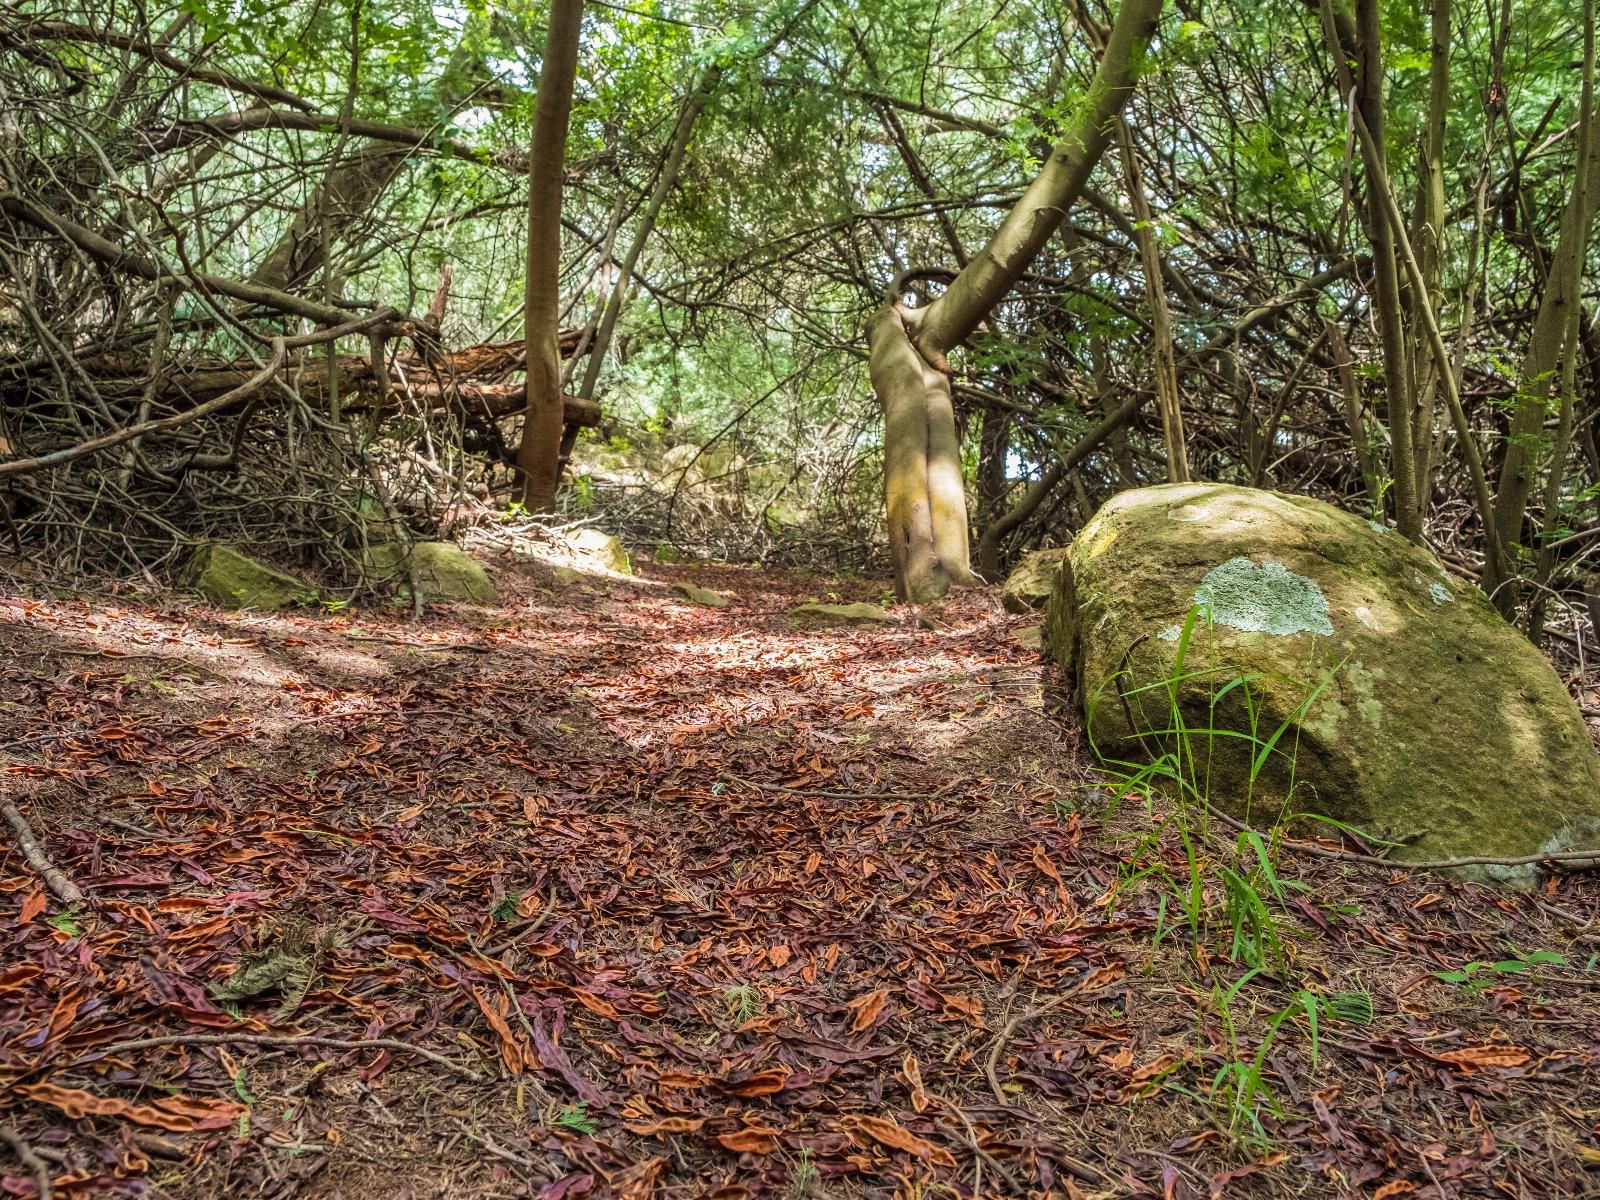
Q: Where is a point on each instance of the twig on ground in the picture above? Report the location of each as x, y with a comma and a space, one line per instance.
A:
267, 1039
483, 1139
992, 1062
30, 1159
1573, 860
805, 791
982, 1155
60, 886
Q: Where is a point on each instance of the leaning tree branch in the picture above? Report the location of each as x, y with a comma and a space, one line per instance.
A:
23, 32
113, 255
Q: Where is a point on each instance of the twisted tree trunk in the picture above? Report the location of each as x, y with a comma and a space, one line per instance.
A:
539, 455
925, 493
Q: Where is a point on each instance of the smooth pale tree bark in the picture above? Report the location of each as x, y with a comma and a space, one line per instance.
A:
665, 182
925, 495
1428, 241
1552, 326
1166, 361
539, 454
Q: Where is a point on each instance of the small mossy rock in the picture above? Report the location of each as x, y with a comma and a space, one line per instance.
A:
838, 614
1029, 637
601, 548
566, 576
443, 570
1437, 725
1033, 581
230, 579
704, 597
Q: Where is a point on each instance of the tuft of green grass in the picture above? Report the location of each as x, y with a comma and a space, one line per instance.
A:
805, 1176
743, 1002
506, 909
67, 922
1221, 886
575, 1118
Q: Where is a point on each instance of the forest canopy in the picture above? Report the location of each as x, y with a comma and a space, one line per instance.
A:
1338, 252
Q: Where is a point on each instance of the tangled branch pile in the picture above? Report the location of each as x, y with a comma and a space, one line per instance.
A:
160, 386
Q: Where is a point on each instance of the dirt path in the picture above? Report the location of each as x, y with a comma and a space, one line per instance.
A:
709, 906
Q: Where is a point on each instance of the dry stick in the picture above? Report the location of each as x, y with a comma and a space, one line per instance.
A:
982, 1155
992, 1063
1076, 1167
1577, 860
56, 458
267, 1039
63, 888
30, 1159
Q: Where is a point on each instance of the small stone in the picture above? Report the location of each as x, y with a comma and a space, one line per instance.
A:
603, 549
838, 614
704, 597
1030, 637
1030, 583
565, 576
230, 579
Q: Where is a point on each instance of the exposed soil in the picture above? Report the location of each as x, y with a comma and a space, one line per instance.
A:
707, 906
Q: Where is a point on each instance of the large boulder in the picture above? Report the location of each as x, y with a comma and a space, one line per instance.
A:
1033, 581
230, 579
1436, 726
443, 570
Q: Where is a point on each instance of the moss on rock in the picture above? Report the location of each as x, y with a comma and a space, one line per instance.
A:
704, 597
838, 614
1437, 724
230, 579
443, 570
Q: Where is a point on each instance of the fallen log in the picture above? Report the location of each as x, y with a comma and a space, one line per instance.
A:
449, 383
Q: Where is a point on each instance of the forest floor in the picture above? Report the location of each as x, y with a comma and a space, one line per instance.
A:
682, 901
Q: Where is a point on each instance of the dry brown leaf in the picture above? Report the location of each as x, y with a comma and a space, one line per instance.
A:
180, 1114
912, 1072
514, 1050
867, 1009
761, 1083
595, 1004
638, 1182
1474, 1058
1042, 861
661, 1125
759, 1140
896, 1137
32, 905
1103, 976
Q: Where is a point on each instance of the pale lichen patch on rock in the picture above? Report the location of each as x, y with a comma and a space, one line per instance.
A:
1264, 598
